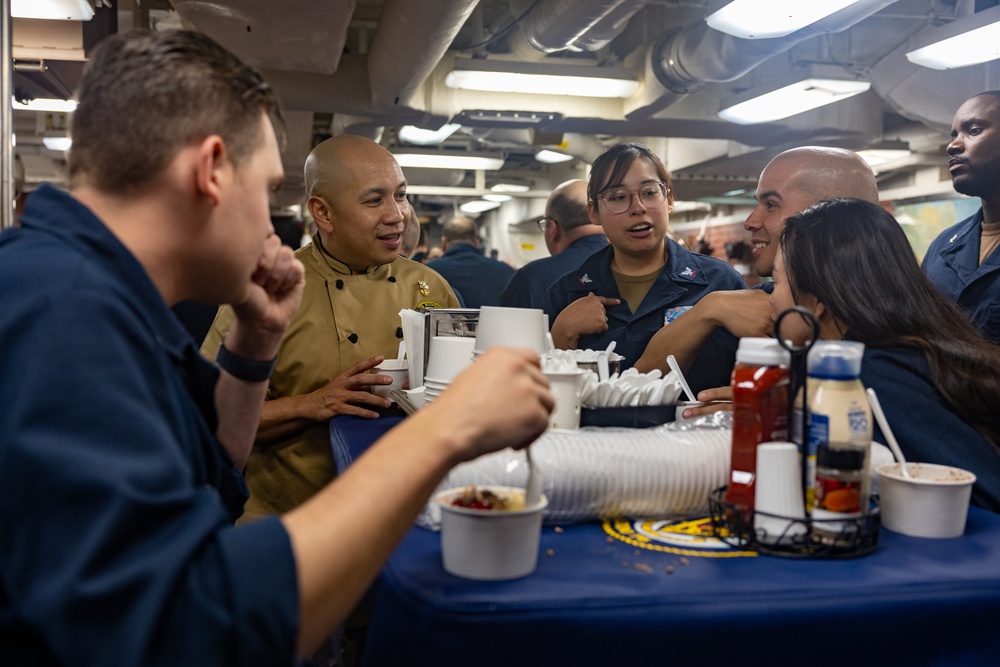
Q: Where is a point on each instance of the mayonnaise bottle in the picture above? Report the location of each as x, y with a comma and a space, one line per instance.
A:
839, 415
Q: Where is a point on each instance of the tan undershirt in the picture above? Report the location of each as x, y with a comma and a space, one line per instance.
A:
634, 288
988, 240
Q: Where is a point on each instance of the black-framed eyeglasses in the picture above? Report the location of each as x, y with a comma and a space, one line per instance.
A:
544, 220
619, 200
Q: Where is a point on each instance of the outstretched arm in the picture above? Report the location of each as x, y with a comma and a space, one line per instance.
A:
742, 312
376, 500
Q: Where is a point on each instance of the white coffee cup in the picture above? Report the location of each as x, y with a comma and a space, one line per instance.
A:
448, 356
511, 327
566, 388
778, 497
397, 369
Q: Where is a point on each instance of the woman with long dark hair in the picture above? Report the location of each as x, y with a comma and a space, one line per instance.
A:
642, 280
938, 380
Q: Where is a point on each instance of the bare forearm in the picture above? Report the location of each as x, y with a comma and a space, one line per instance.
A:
238, 405
375, 503
238, 402
282, 417
376, 500
683, 338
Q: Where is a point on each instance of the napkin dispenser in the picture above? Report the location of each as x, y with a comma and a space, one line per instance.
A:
448, 322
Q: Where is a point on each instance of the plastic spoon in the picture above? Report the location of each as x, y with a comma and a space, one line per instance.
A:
533, 489
886, 431
680, 378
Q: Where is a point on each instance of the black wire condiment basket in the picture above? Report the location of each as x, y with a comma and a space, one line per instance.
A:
798, 537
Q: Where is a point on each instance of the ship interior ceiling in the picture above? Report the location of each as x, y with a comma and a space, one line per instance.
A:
373, 67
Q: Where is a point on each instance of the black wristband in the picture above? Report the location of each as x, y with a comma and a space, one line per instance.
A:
241, 368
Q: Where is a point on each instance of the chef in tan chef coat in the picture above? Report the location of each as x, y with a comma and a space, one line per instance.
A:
356, 284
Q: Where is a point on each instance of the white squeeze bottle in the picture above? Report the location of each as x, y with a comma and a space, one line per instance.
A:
839, 416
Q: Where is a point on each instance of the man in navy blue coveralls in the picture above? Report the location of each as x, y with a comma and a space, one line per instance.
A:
122, 448
962, 262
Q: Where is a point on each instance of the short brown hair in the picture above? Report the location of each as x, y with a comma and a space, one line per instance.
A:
144, 96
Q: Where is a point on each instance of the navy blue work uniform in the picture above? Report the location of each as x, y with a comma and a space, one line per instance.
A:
925, 425
528, 285
684, 280
952, 264
478, 278
116, 500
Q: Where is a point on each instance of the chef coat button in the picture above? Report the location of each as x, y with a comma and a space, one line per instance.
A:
353, 338
339, 284
392, 279
399, 332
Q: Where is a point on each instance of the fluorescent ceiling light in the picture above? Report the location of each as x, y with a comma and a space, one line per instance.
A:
57, 143
749, 20
540, 78
552, 157
968, 41
877, 156
510, 187
417, 135
442, 160
62, 106
497, 198
478, 206
788, 97
67, 10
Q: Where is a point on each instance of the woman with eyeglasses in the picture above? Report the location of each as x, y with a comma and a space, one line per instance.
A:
643, 280
849, 263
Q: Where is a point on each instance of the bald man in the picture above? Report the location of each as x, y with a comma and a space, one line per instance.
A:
791, 182
477, 279
356, 284
570, 236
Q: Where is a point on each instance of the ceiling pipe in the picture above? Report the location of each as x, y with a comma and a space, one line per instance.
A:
412, 36
684, 60
559, 25
610, 26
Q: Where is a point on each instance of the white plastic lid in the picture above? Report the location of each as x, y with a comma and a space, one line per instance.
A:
762, 352
836, 360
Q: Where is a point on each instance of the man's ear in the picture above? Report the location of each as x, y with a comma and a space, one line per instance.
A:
319, 209
552, 232
213, 169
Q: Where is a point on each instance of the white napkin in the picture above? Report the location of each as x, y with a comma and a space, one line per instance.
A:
413, 336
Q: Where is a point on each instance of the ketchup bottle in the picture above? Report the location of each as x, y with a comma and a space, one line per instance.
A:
760, 411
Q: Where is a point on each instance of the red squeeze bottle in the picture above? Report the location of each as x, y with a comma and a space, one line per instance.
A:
760, 411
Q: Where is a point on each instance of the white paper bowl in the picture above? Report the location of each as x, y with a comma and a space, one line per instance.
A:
396, 369
489, 544
934, 502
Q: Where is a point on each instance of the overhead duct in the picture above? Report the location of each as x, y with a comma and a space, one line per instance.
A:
559, 25
685, 60
927, 95
410, 40
610, 26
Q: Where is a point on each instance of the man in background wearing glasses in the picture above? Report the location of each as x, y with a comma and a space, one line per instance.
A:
570, 236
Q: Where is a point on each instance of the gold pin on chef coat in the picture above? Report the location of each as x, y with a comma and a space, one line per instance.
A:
425, 290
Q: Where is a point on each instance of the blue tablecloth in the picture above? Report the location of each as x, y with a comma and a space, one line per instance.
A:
602, 599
